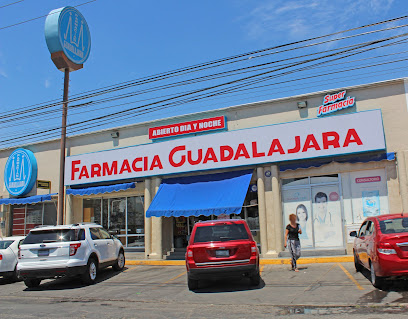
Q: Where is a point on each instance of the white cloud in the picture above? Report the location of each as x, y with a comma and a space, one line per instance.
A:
47, 83
296, 19
3, 73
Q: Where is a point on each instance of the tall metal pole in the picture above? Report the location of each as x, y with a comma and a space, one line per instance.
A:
60, 216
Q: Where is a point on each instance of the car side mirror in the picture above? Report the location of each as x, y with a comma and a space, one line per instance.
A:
353, 234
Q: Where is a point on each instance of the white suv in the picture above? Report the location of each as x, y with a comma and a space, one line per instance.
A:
68, 250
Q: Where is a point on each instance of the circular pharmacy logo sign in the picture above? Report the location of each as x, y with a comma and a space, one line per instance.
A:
66, 30
20, 172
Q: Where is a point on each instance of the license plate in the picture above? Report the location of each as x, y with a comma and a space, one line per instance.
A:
43, 252
222, 253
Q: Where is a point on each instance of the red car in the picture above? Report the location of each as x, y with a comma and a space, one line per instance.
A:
220, 249
381, 245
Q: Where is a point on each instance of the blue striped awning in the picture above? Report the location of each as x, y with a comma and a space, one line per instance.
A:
100, 189
26, 200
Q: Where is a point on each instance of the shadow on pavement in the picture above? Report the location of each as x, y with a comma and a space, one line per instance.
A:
378, 295
224, 285
75, 282
7, 281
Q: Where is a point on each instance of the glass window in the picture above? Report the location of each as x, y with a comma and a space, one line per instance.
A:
104, 234
135, 209
123, 217
50, 236
295, 181
50, 213
95, 235
324, 179
361, 232
370, 228
220, 233
4, 244
92, 210
34, 216
394, 226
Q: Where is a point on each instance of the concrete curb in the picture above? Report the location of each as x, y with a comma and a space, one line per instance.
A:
277, 261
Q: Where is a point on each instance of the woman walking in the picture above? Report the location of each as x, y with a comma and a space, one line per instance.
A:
292, 239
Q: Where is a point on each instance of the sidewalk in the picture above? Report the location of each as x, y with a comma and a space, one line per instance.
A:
133, 258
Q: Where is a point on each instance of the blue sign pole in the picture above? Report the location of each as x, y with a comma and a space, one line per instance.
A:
69, 42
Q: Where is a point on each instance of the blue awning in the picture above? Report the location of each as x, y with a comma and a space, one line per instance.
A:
26, 200
100, 189
354, 159
213, 194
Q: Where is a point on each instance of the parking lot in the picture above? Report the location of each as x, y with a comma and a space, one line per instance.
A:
161, 292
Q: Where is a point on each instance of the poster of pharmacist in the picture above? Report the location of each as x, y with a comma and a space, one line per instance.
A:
327, 216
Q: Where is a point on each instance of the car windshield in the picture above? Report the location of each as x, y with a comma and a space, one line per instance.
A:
220, 233
394, 226
4, 244
51, 236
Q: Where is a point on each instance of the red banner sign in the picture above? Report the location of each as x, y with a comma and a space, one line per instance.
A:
203, 125
371, 179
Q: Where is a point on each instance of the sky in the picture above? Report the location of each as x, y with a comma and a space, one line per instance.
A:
133, 39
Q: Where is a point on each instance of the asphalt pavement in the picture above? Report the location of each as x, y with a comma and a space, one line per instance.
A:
331, 290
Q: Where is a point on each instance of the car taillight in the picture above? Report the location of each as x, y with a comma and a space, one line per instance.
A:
73, 248
386, 249
189, 254
1, 256
254, 249
19, 253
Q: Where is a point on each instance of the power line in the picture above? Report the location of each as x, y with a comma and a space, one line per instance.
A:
10, 4
168, 74
36, 18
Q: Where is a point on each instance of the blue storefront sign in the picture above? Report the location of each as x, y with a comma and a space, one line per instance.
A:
20, 172
66, 30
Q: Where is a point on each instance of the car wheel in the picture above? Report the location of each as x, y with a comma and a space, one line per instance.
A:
357, 264
192, 284
378, 282
89, 276
255, 279
32, 283
120, 262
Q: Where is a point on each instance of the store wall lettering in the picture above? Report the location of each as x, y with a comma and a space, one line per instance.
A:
351, 133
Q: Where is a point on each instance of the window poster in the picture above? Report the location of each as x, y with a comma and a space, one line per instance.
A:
327, 220
297, 201
369, 195
371, 203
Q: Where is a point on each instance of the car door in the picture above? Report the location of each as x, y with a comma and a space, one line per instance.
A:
111, 250
370, 240
100, 243
360, 240
365, 243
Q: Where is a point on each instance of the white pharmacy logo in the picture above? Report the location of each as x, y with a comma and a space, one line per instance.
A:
75, 43
18, 177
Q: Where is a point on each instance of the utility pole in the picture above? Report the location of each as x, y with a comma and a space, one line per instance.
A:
61, 191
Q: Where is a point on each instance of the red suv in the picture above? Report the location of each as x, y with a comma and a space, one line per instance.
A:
381, 245
220, 249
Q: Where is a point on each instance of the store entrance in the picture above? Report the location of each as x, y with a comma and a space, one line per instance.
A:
183, 227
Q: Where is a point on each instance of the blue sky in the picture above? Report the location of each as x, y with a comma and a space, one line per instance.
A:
132, 39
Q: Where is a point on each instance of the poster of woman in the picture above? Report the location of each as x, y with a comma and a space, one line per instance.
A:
297, 202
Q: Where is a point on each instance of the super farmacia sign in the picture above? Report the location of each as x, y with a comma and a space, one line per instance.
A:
343, 134
335, 102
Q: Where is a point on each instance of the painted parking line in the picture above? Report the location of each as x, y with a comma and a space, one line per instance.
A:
174, 278
261, 269
131, 268
350, 277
